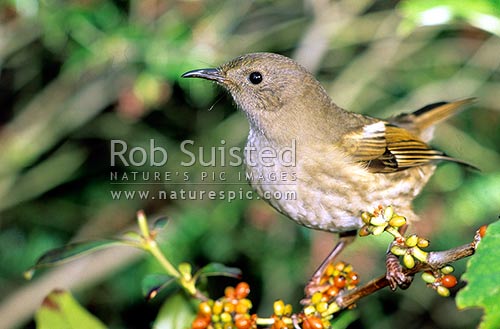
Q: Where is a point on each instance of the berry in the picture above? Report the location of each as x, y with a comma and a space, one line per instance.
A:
339, 281
243, 323
332, 291
449, 281
229, 292
428, 277
409, 261
443, 291
242, 290
204, 309
279, 307
200, 323
353, 278
312, 322
412, 240
482, 230
397, 221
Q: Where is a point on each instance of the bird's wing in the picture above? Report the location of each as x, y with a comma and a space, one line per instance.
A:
384, 148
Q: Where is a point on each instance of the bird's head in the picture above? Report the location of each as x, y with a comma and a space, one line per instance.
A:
265, 86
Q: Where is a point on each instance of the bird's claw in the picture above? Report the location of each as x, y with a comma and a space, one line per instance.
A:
395, 274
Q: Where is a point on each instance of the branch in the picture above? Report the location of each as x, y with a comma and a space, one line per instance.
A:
435, 260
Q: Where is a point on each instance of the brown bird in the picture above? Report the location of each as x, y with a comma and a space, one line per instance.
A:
344, 163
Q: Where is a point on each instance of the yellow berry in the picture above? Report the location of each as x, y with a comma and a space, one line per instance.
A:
388, 212
217, 308
316, 298
322, 307
225, 317
428, 277
366, 217
378, 221
288, 309
309, 310
279, 307
412, 240
443, 291
447, 269
408, 261
397, 221
204, 309
423, 243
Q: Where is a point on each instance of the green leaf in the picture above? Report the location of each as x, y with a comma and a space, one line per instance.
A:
483, 279
160, 224
218, 269
60, 310
60, 255
483, 14
175, 313
153, 284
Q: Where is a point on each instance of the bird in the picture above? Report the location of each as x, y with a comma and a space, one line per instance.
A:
344, 163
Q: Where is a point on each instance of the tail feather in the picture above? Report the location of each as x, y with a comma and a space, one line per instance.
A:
422, 121
433, 114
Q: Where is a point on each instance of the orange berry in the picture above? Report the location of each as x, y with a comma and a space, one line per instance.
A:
243, 323
229, 292
278, 324
242, 290
332, 291
482, 230
313, 323
449, 281
353, 278
204, 309
339, 281
200, 323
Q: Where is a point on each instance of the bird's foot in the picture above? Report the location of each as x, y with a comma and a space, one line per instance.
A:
395, 274
313, 286
335, 279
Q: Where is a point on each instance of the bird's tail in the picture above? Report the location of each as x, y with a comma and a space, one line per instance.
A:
433, 114
422, 120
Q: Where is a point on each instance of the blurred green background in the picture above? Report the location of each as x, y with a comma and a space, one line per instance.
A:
77, 74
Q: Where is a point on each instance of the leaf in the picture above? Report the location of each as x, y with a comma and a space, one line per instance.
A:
70, 251
483, 279
153, 284
482, 14
160, 224
175, 313
218, 269
60, 310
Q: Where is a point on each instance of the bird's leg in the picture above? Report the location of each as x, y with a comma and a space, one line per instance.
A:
394, 270
345, 238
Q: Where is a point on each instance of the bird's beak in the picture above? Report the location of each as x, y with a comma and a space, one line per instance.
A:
208, 74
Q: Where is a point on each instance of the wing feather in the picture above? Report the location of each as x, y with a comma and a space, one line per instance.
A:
385, 148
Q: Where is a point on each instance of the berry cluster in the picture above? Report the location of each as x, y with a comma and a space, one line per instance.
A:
233, 310
441, 280
230, 311
281, 317
382, 219
336, 278
410, 249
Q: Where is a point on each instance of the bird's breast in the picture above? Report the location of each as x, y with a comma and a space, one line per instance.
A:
323, 189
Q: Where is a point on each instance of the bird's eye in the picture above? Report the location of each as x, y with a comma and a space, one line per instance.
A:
255, 78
